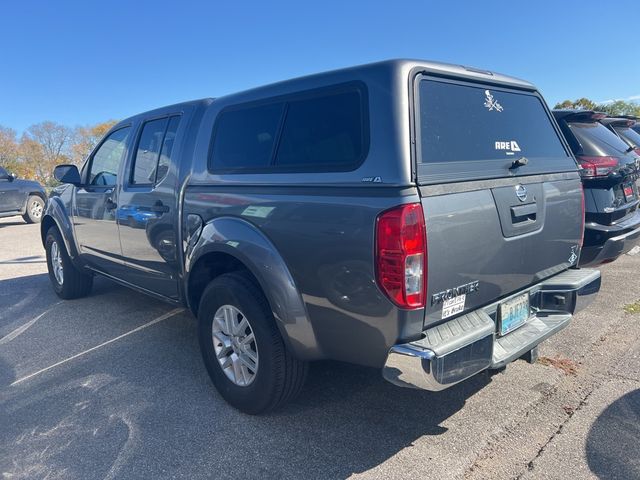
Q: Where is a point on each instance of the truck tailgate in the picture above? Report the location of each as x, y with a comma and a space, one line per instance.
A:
484, 242
501, 195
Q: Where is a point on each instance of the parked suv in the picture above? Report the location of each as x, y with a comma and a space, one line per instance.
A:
609, 171
421, 218
21, 197
623, 128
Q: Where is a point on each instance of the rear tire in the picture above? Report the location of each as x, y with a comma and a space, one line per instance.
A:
272, 376
35, 209
68, 281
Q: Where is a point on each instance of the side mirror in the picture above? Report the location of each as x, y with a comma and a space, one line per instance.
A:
67, 174
12, 177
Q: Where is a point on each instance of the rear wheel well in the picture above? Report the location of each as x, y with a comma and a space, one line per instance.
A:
207, 268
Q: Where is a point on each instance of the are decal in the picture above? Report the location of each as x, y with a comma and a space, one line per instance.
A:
509, 147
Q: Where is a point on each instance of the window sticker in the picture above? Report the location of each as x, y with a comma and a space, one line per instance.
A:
257, 211
509, 147
574, 254
454, 305
491, 103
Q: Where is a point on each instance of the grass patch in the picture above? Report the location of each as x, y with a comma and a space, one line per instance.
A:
632, 308
569, 367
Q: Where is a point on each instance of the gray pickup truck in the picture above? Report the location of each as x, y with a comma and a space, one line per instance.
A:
421, 218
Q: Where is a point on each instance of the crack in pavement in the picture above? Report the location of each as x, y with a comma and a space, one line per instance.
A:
583, 402
510, 448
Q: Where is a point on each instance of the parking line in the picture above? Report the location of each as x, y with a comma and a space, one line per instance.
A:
20, 330
141, 327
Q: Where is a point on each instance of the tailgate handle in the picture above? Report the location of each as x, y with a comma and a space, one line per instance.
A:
524, 213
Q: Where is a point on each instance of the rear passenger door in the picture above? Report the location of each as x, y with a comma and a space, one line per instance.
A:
147, 211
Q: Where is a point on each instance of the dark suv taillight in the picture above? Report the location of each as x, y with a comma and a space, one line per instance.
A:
401, 255
583, 218
597, 166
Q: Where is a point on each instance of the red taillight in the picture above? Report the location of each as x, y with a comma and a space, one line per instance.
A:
401, 255
597, 166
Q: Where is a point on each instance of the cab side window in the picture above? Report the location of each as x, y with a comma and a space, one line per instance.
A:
153, 155
107, 159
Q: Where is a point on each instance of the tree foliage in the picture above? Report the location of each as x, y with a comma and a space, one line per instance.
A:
618, 107
44, 145
8, 148
88, 137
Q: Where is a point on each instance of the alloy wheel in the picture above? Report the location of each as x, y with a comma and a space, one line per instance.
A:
235, 345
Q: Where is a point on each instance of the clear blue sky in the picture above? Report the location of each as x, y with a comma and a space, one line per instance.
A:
81, 62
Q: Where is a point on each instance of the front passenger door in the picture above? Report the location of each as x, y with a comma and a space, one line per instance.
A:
96, 203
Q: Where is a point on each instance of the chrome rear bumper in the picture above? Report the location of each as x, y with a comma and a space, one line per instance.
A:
462, 347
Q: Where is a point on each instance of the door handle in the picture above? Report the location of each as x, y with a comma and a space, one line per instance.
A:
159, 207
524, 213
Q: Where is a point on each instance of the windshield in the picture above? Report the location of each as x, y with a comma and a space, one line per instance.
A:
596, 139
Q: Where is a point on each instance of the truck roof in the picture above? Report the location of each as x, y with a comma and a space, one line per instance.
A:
391, 68
395, 67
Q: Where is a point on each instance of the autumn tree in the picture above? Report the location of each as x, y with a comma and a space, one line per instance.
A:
45, 145
8, 148
87, 137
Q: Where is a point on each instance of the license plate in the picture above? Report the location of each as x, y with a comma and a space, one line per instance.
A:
513, 313
628, 193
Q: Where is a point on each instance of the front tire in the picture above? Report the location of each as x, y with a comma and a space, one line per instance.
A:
68, 281
34, 210
242, 349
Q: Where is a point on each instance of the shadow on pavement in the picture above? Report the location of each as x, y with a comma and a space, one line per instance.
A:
613, 444
25, 296
144, 407
30, 259
13, 223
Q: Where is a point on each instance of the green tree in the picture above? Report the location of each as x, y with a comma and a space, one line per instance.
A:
579, 104
620, 107
617, 107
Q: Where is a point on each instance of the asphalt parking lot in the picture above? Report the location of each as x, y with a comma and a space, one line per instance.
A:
112, 386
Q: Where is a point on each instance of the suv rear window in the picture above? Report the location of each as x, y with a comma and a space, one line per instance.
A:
596, 139
477, 131
325, 130
630, 134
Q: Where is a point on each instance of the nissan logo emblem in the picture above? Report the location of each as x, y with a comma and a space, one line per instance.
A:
521, 192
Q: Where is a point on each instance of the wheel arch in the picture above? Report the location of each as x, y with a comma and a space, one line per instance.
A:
230, 244
37, 193
55, 215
